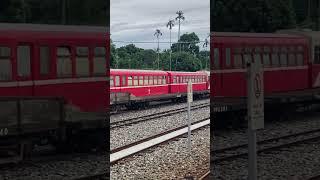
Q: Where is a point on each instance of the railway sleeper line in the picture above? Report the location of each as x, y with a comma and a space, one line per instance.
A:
135, 120
156, 140
224, 153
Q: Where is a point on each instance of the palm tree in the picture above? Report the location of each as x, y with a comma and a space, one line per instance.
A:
205, 44
158, 33
179, 17
170, 24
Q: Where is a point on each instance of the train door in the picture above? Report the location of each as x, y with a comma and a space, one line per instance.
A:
25, 73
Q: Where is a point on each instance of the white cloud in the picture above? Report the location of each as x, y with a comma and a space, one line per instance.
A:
136, 20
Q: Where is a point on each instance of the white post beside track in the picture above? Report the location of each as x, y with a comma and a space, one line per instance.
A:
190, 99
255, 93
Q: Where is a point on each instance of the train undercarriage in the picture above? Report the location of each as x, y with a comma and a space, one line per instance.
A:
120, 101
29, 123
232, 112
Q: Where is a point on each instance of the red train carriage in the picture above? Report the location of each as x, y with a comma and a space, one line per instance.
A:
179, 80
285, 60
136, 88
313, 38
290, 63
65, 62
133, 87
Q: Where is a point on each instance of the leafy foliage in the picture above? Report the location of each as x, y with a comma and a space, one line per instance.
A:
252, 15
77, 12
189, 59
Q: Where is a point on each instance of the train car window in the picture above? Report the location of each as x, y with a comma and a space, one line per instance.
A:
257, 58
23, 61
266, 49
99, 61
247, 58
275, 57
140, 80
44, 60
135, 81
64, 65
124, 79
237, 61
159, 79
130, 81
266, 59
216, 59
283, 57
300, 55
164, 80
111, 81
300, 48
299, 59
146, 81
228, 57
151, 80
82, 61
317, 54
117, 81
5, 63
155, 80
258, 49
291, 59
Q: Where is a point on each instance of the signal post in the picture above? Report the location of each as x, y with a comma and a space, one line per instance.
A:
255, 107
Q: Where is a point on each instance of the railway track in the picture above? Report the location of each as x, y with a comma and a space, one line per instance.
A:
135, 120
152, 106
206, 176
240, 151
144, 144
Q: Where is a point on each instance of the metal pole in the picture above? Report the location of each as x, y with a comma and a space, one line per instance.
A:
170, 50
189, 128
252, 140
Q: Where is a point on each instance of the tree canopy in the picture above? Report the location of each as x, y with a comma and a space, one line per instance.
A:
189, 59
76, 12
252, 15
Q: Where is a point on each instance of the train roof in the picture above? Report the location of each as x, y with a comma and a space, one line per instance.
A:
257, 38
58, 33
137, 71
255, 35
186, 73
52, 28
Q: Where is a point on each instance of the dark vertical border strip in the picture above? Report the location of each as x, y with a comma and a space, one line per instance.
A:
108, 87
212, 5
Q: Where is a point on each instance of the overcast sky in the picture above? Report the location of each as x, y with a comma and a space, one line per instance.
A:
137, 20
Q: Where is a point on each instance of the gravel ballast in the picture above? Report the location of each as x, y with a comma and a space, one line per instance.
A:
168, 161
300, 161
71, 167
139, 113
129, 134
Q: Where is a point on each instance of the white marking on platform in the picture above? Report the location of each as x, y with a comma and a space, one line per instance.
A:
145, 145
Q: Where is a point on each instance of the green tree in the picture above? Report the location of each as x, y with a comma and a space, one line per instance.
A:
157, 34
189, 43
170, 24
186, 61
252, 15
